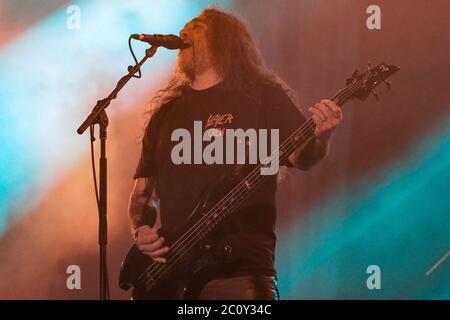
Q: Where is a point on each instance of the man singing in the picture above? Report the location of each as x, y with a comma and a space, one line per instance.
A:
221, 80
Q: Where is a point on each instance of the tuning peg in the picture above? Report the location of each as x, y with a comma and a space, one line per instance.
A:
369, 67
375, 94
355, 76
388, 84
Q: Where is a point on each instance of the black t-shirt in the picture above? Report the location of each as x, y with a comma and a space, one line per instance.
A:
180, 187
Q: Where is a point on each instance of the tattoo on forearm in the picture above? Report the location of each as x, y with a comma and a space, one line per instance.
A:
141, 206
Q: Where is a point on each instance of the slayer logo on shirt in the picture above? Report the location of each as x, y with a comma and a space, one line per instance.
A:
218, 119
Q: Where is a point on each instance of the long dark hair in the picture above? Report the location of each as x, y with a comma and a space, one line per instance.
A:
235, 56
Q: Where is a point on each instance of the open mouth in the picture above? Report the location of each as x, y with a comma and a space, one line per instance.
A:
186, 43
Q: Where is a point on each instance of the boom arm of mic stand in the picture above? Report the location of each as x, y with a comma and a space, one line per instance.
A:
99, 116
104, 103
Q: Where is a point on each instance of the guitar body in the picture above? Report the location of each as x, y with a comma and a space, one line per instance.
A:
186, 278
135, 264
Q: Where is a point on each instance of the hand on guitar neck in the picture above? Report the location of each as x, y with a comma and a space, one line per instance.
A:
327, 115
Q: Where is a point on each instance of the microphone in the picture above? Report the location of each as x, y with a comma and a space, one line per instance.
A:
169, 41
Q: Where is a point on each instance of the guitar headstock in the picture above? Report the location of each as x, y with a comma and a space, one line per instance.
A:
360, 86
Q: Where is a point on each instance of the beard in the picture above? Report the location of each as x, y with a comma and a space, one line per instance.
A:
193, 60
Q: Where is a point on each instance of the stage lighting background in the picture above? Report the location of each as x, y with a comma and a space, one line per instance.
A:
380, 198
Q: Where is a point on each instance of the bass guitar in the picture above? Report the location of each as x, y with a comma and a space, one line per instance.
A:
195, 246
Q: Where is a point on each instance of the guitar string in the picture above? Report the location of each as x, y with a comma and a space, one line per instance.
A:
185, 241
200, 224
205, 226
238, 196
301, 130
304, 128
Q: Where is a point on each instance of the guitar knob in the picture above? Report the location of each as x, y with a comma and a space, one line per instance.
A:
354, 78
375, 95
228, 249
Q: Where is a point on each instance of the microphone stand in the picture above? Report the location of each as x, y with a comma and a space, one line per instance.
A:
99, 116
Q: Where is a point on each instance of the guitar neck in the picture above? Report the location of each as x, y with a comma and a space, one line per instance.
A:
246, 187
